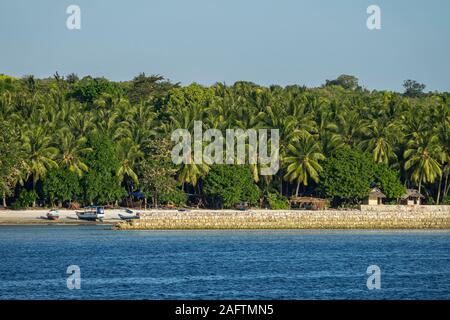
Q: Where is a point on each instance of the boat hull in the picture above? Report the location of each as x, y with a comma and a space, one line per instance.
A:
125, 217
90, 217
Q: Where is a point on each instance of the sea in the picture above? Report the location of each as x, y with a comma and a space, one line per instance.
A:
97, 262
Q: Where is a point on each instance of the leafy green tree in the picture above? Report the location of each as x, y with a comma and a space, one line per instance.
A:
101, 184
413, 88
346, 176
89, 89
61, 185
345, 81
157, 173
388, 180
228, 185
11, 159
144, 88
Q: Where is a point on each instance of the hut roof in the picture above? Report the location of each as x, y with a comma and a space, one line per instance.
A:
375, 192
413, 193
307, 199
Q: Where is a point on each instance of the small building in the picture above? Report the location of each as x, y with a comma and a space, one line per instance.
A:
411, 197
375, 197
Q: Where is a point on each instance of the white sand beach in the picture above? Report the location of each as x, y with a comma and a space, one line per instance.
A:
38, 216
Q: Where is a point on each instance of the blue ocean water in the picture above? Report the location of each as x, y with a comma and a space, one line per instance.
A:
257, 264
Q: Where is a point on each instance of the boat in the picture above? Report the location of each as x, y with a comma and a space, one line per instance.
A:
91, 213
130, 217
53, 215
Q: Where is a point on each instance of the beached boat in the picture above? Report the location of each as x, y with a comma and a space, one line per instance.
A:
53, 215
130, 216
91, 213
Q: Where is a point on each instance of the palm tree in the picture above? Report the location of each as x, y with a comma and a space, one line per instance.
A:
441, 118
72, 151
40, 155
380, 137
303, 161
423, 155
129, 155
191, 173
348, 127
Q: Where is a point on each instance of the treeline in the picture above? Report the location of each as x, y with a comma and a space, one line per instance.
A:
66, 141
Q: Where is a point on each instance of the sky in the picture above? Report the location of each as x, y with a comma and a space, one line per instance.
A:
267, 42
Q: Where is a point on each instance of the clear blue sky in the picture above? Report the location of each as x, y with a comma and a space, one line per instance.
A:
206, 41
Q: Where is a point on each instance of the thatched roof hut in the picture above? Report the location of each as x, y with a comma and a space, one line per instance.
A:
309, 203
375, 197
411, 196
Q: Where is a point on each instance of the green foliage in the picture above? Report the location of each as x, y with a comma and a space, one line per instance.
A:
7, 83
61, 185
345, 81
413, 88
158, 173
446, 200
101, 184
10, 157
231, 184
277, 201
145, 88
388, 181
347, 176
175, 196
89, 89
48, 124
25, 199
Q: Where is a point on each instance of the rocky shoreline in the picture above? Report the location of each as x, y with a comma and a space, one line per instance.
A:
389, 217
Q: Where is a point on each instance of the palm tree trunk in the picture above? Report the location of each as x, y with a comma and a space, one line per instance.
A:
446, 186
34, 189
420, 184
4, 199
439, 189
298, 187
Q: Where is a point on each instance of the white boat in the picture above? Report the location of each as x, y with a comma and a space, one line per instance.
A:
91, 213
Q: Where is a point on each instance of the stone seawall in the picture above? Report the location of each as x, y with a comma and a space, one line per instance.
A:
368, 217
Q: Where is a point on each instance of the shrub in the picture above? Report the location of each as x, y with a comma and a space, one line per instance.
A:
25, 199
277, 201
446, 200
175, 196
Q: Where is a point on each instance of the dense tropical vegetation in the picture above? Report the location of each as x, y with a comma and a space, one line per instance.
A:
66, 140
